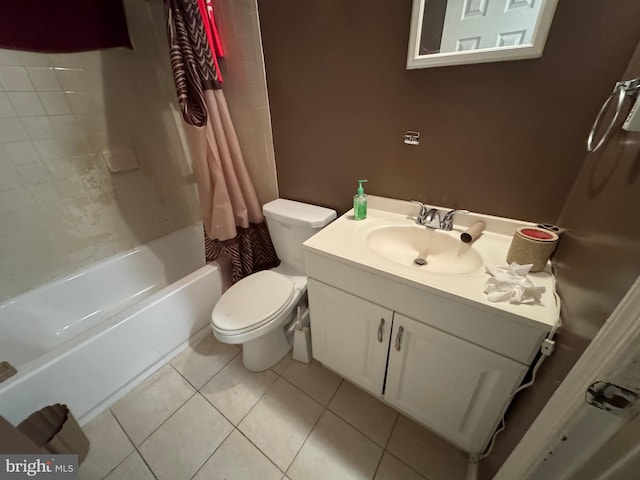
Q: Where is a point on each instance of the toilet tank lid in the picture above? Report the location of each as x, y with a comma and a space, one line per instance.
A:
298, 213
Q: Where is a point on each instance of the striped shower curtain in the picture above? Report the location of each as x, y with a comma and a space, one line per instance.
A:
232, 217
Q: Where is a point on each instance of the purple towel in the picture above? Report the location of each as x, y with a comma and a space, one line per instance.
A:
57, 26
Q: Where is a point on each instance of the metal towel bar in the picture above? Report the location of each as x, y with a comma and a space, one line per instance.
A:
625, 88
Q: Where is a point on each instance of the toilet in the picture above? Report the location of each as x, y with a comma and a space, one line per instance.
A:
260, 310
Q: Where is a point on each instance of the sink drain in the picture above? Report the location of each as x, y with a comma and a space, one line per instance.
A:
420, 262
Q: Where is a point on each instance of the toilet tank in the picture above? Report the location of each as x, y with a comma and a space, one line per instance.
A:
291, 223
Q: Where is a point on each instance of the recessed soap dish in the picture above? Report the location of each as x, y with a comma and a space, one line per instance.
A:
119, 160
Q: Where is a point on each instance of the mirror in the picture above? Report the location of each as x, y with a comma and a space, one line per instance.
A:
457, 32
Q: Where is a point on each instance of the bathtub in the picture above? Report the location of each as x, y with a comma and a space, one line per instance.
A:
87, 339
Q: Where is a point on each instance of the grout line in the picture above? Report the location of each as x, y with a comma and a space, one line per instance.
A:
122, 428
166, 419
395, 423
286, 356
239, 352
247, 414
235, 427
324, 410
195, 392
305, 440
406, 465
258, 448
135, 448
212, 453
144, 460
222, 413
386, 444
383, 447
375, 472
257, 401
325, 407
214, 375
116, 466
217, 373
335, 393
394, 456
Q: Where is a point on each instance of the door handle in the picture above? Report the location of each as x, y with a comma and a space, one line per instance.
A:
380, 330
399, 338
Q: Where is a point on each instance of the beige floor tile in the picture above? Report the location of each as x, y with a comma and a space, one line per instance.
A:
364, 412
108, 447
335, 450
183, 443
425, 452
238, 459
280, 422
201, 361
133, 468
393, 469
313, 379
145, 408
282, 365
235, 390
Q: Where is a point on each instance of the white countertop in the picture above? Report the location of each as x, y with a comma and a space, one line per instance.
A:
344, 240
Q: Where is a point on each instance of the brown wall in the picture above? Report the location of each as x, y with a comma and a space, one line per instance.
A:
503, 138
597, 261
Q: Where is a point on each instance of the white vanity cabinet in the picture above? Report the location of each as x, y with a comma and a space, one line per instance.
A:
425, 340
452, 386
350, 335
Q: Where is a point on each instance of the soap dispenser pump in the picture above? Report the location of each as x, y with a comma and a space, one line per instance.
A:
360, 202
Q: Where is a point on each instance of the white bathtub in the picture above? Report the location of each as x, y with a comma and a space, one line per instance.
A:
86, 339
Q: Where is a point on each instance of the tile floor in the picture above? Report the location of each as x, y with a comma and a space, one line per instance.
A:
203, 416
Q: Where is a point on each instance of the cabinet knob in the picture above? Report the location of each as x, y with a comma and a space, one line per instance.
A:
399, 338
380, 330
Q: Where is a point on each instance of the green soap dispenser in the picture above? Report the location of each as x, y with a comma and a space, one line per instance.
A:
360, 202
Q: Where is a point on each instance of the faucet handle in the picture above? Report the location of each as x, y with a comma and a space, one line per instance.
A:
423, 207
447, 220
420, 219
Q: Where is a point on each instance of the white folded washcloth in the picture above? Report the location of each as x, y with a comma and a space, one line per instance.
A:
511, 283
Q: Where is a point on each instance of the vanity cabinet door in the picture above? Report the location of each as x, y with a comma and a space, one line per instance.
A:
457, 389
350, 335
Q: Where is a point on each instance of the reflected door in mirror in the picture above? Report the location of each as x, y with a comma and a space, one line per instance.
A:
474, 24
453, 32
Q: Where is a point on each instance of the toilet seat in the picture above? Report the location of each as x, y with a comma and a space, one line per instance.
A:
252, 302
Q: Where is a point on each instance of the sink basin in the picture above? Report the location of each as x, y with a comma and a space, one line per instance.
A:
442, 251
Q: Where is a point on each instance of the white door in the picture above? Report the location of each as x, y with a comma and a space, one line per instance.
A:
454, 387
618, 459
475, 24
572, 439
350, 335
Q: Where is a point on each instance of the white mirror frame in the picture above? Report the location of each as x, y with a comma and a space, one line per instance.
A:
497, 54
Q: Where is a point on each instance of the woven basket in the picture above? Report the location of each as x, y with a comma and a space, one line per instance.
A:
532, 245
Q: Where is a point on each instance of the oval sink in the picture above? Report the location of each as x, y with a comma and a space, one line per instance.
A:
442, 251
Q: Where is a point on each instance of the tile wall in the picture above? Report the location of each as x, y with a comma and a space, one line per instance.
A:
60, 209
245, 89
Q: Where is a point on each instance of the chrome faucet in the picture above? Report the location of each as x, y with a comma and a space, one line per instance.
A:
430, 217
422, 215
447, 220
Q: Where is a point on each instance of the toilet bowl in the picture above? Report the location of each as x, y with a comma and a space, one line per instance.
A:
259, 311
